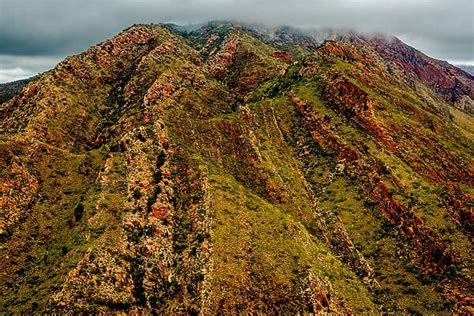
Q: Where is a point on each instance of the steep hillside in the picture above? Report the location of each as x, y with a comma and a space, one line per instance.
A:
230, 169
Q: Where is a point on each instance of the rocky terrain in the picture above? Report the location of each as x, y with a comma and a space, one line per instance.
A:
231, 169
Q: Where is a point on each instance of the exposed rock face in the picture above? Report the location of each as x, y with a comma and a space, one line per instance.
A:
229, 170
450, 82
284, 56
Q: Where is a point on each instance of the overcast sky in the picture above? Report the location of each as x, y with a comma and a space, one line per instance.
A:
36, 34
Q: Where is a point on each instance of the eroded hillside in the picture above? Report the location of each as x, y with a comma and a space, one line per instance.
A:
230, 170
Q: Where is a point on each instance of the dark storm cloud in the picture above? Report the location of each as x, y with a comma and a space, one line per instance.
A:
442, 29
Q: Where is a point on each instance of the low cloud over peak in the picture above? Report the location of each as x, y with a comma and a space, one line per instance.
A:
52, 29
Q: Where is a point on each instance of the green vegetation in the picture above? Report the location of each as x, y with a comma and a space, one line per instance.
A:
253, 238
168, 171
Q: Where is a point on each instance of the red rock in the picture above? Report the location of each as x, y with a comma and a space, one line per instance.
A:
283, 56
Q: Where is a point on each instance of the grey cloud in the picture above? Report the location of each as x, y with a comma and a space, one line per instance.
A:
18, 67
440, 28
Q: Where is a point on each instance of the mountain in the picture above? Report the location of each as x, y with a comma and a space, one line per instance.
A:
467, 68
238, 169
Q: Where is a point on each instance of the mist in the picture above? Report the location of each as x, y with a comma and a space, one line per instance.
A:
49, 30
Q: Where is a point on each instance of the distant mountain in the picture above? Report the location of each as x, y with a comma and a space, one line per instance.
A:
9, 89
467, 68
234, 169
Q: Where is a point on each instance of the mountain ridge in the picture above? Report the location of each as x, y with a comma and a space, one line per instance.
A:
218, 172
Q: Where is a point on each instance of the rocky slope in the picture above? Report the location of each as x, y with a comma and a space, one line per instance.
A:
232, 169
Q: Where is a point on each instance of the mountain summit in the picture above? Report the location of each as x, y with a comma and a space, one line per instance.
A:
235, 169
